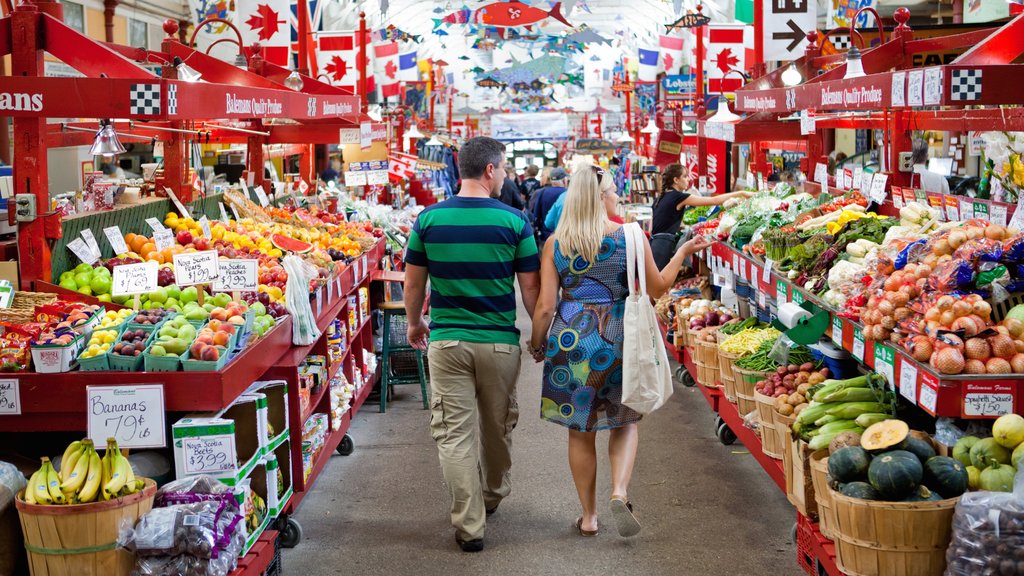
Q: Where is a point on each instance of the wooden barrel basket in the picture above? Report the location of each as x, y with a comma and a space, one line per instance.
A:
822, 494
81, 539
745, 382
876, 538
727, 374
770, 444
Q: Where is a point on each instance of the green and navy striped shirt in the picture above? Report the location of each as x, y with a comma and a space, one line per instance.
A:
472, 249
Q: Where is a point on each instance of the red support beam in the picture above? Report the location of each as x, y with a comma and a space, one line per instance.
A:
85, 55
1000, 48
363, 84
109, 8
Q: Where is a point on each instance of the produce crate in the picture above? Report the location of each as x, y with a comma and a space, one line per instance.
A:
121, 363
745, 381
769, 440
189, 364
168, 363
81, 538
727, 374
892, 538
822, 494
799, 488
52, 359
94, 364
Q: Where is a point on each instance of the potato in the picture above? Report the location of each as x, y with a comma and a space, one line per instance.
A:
786, 410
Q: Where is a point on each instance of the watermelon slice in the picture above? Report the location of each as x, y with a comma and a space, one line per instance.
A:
289, 244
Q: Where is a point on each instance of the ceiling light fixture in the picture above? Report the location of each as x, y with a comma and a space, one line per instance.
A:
625, 138
414, 132
854, 66
724, 115
791, 76
186, 72
651, 128
106, 143
293, 81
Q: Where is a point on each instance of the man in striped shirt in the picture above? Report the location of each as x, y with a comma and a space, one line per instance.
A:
473, 248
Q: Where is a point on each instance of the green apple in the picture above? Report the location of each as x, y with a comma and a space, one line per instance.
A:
158, 296
69, 275
157, 350
258, 308
104, 298
102, 270
171, 303
69, 284
209, 306
85, 290
83, 267
222, 299
189, 295
173, 292
83, 278
147, 305
120, 299
100, 284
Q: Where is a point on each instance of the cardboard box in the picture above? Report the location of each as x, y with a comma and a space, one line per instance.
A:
256, 483
276, 427
279, 478
226, 446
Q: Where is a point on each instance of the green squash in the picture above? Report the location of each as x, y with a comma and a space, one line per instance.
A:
946, 476
962, 449
861, 490
1018, 455
923, 494
973, 478
849, 464
920, 448
895, 474
986, 450
998, 478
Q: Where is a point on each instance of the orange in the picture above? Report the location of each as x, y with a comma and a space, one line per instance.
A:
167, 254
128, 238
146, 248
138, 243
155, 256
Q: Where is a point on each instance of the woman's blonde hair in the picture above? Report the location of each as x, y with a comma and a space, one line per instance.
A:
545, 176
581, 228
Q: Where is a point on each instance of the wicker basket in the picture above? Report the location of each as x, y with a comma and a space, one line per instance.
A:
727, 374
81, 539
707, 375
770, 444
23, 306
822, 494
799, 489
745, 381
892, 538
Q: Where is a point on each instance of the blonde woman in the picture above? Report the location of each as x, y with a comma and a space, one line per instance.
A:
577, 333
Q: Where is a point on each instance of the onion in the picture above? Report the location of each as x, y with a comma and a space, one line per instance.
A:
920, 348
998, 366
1017, 363
1002, 346
974, 367
977, 349
961, 308
1015, 327
948, 361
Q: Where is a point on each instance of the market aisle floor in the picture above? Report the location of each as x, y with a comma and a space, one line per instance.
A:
706, 508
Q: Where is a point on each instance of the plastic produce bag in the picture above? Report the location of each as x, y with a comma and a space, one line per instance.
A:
12, 549
300, 274
988, 534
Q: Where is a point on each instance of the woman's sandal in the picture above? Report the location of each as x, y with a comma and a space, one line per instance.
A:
579, 527
625, 521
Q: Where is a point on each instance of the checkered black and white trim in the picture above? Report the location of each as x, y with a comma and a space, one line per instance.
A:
172, 99
840, 41
965, 85
144, 100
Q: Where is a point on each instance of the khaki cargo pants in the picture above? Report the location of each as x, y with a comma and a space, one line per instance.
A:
473, 410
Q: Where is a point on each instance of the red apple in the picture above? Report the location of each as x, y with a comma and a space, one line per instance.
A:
201, 243
184, 237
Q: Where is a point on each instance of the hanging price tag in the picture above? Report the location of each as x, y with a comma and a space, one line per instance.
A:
766, 274
807, 123
196, 268
936, 203
847, 178
987, 399
821, 175
154, 224
1017, 221
865, 182
858, 177
798, 296
133, 414
858, 344
205, 225
116, 240
237, 275
177, 203
997, 213
837, 331
878, 188
899, 80
82, 251
736, 263
966, 208
981, 209
897, 197
209, 454
261, 194
330, 291
223, 213
163, 238
885, 362
10, 397
908, 380
131, 279
928, 398
952, 208
751, 183
90, 241
932, 86
781, 293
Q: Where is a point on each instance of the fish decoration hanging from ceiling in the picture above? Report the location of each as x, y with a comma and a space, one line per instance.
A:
503, 15
490, 82
586, 36
688, 20
546, 66
476, 70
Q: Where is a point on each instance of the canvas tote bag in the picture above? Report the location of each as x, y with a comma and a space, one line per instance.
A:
646, 376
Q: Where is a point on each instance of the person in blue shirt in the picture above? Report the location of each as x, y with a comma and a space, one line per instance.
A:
546, 198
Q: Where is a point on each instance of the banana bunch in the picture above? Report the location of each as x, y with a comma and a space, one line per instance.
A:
84, 477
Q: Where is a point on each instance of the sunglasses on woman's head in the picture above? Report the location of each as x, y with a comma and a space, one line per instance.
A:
599, 172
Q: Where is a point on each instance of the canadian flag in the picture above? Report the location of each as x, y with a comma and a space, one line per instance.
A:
386, 68
338, 57
726, 50
671, 57
266, 22
401, 166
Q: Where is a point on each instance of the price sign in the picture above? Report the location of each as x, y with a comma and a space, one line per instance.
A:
878, 188
847, 178
205, 225
1017, 221
935, 201
155, 224
899, 80
10, 397
130, 279
952, 208
116, 239
980, 209
897, 197
865, 181
234, 212
196, 268
821, 175
223, 213
751, 184
928, 398
702, 185
355, 178
908, 380
932, 86
736, 263
237, 275
90, 241
177, 203
909, 196
915, 88
966, 208
82, 251
807, 123
163, 238
766, 274
858, 343
997, 213
132, 414
858, 177
798, 297
261, 194
885, 364
209, 454
988, 399
365, 268
781, 292
837, 331
250, 179
330, 291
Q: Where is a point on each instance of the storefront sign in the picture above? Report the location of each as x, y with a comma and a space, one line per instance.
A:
679, 84
717, 165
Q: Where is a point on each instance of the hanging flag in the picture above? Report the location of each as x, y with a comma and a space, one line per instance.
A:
408, 68
338, 57
401, 165
315, 10
726, 50
647, 70
266, 22
386, 68
671, 54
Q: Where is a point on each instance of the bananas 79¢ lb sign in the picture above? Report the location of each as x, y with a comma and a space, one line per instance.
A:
133, 414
